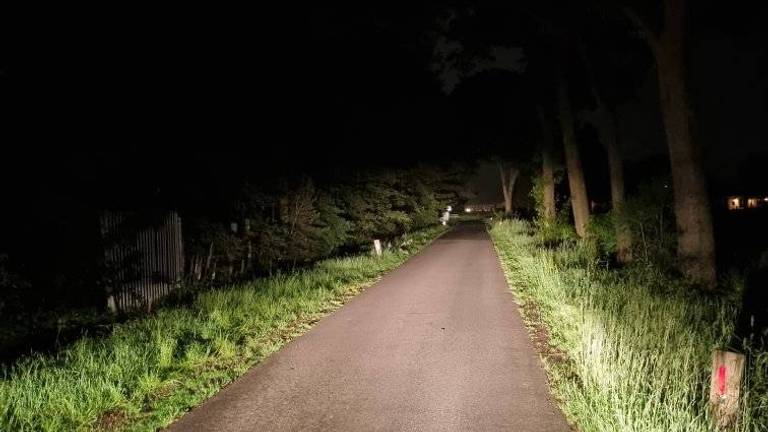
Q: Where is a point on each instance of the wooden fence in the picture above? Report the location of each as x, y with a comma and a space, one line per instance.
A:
144, 257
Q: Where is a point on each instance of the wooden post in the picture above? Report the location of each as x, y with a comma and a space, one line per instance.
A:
377, 247
111, 303
725, 386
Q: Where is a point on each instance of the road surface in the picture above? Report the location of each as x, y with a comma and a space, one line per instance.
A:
436, 345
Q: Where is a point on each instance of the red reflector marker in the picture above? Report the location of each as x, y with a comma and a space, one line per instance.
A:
721, 380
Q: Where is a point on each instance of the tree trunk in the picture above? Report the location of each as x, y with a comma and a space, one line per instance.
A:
695, 238
505, 191
508, 187
609, 138
605, 122
547, 170
576, 184
513, 174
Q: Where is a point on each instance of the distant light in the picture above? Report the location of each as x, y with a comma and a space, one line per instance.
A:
469, 210
765, 199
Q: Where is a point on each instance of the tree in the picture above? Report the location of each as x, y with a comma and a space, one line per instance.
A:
549, 54
604, 120
508, 180
544, 31
576, 184
695, 237
496, 107
547, 168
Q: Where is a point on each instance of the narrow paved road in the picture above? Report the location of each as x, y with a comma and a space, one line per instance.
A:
436, 345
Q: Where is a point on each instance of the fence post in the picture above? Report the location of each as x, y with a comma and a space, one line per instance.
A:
377, 247
111, 303
725, 386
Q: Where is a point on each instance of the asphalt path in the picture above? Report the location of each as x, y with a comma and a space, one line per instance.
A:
436, 345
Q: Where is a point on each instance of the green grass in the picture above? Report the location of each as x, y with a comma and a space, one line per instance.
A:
625, 350
149, 371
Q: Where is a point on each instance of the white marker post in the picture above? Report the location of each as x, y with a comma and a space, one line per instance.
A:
725, 387
377, 247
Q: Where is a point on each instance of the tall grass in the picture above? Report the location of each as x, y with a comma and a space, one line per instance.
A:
149, 371
636, 344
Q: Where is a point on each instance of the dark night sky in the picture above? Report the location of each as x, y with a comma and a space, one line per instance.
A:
729, 85
130, 93
338, 83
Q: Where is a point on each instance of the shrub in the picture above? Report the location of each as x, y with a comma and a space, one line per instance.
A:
300, 222
651, 219
11, 286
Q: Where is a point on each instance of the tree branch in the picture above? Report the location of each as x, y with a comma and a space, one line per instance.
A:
590, 74
503, 180
513, 173
642, 26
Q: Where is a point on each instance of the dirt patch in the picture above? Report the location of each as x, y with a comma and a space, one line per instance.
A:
540, 335
164, 391
552, 356
111, 420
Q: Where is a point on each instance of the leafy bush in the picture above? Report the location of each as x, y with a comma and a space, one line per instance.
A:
558, 231
651, 219
301, 222
331, 230
647, 213
11, 284
537, 195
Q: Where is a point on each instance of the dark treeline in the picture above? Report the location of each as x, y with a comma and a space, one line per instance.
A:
564, 109
243, 224
56, 279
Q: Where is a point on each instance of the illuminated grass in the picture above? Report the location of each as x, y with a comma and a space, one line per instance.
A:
635, 344
149, 371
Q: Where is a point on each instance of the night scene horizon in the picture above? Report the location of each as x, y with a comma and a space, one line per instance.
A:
441, 215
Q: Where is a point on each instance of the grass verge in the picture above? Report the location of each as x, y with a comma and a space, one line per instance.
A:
625, 350
149, 371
